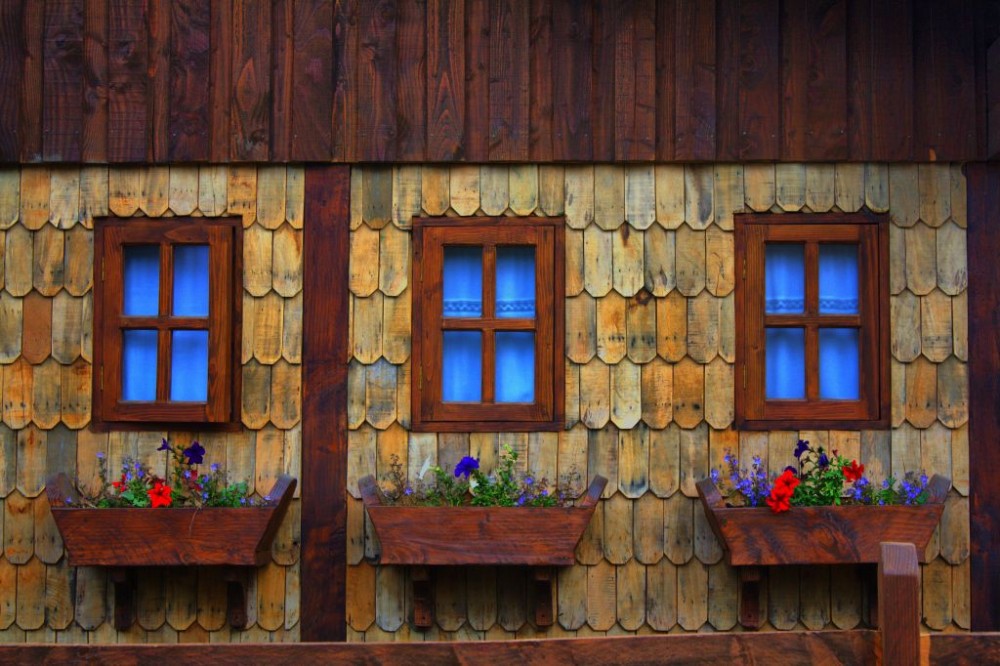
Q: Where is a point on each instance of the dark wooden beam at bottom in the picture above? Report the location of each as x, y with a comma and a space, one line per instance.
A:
795, 647
326, 236
983, 187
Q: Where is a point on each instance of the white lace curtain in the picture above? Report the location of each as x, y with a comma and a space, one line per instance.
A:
784, 287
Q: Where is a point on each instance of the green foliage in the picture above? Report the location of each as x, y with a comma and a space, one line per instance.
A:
468, 484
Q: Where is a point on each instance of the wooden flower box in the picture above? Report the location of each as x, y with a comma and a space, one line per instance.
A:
167, 537
848, 534
126, 538
541, 537
815, 535
450, 535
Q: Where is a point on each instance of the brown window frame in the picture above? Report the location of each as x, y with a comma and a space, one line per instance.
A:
871, 232
430, 235
221, 411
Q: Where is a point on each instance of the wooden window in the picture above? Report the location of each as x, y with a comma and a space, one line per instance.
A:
488, 324
812, 321
166, 322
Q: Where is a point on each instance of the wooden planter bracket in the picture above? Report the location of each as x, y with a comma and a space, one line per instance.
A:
542, 582
124, 580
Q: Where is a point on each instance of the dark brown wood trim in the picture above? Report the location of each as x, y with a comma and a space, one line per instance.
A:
983, 182
794, 647
324, 404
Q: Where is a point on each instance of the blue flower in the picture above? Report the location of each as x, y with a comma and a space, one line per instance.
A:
528, 480
68, 501
408, 491
521, 500
714, 474
823, 460
100, 455
194, 453
187, 474
164, 446
466, 466
801, 447
214, 467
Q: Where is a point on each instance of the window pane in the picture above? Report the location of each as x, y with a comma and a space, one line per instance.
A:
516, 281
785, 353
463, 281
784, 278
189, 366
142, 280
839, 365
191, 280
139, 365
838, 278
515, 366
462, 367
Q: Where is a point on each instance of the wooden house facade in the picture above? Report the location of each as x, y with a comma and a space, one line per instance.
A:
646, 128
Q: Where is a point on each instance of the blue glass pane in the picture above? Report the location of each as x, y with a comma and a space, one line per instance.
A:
462, 367
139, 365
785, 354
463, 281
516, 281
839, 365
142, 280
838, 278
191, 280
784, 278
515, 366
189, 366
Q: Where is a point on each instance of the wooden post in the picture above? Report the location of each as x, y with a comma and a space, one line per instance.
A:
899, 604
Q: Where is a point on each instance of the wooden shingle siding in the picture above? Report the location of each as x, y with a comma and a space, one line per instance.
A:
650, 345
499, 81
46, 323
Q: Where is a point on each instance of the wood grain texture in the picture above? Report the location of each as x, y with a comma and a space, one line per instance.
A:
490, 79
324, 374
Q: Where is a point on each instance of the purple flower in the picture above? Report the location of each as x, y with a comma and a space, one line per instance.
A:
791, 469
187, 474
466, 466
68, 501
408, 491
214, 467
194, 453
100, 455
801, 447
164, 446
823, 460
528, 480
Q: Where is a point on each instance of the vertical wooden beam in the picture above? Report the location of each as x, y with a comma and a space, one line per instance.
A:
324, 403
11, 70
899, 604
993, 101
983, 182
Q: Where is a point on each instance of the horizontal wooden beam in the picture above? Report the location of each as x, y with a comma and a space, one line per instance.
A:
805, 647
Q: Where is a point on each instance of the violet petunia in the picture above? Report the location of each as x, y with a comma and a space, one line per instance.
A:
195, 453
466, 466
164, 446
801, 447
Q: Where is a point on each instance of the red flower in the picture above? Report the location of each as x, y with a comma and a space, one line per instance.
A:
159, 495
781, 493
853, 472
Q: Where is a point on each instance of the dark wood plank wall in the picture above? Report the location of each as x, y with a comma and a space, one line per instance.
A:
494, 80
